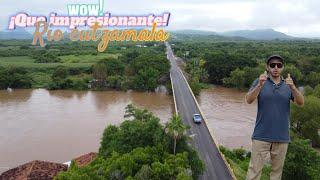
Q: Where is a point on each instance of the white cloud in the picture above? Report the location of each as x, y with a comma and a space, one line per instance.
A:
294, 17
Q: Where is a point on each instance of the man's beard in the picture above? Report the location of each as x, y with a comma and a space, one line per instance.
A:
275, 76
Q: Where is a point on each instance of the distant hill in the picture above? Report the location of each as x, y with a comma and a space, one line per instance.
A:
259, 34
198, 32
185, 36
15, 34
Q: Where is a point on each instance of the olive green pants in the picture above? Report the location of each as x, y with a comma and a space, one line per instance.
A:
259, 155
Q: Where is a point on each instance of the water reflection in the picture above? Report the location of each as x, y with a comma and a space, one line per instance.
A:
16, 96
67, 94
59, 125
102, 99
231, 119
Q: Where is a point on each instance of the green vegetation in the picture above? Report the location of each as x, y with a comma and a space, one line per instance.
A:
306, 120
125, 66
226, 59
176, 129
239, 161
60, 79
198, 74
88, 58
136, 69
141, 148
242, 78
43, 56
302, 162
14, 77
237, 63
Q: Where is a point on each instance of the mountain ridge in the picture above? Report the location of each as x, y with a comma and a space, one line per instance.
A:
256, 34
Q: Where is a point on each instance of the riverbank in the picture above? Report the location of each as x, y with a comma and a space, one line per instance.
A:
44, 122
58, 125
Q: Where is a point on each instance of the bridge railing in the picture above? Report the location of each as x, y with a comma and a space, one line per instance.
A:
174, 97
205, 121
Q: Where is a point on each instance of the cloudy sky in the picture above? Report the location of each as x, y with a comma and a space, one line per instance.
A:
299, 18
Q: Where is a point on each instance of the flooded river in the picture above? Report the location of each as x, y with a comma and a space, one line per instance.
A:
230, 117
60, 125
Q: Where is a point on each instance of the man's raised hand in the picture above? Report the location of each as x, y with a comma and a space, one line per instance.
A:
289, 81
263, 78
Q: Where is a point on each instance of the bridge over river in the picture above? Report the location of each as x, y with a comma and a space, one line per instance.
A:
202, 139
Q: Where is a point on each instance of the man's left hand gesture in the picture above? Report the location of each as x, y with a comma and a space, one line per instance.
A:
298, 97
289, 82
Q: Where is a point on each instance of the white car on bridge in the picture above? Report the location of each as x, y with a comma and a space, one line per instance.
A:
197, 118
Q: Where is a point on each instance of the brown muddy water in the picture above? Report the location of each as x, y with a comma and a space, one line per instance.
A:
230, 117
60, 125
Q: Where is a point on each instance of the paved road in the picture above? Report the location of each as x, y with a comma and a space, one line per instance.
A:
202, 140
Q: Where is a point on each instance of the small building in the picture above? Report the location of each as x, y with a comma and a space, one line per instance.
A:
34, 170
83, 160
43, 169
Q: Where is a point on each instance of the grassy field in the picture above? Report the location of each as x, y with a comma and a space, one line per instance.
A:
75, 61
241, 174
9, 47
87, 58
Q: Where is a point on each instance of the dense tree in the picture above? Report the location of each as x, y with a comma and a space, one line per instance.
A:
196, 67
146, 79
236, 79
308, 90
302, 162
316, 91
43, 56
140, 163
145, 130
119, 71
306, 120
223, 56
114, 66
293, 71
312, 79
197, 74
14, 77
139, 149
219, 64
309, 64
157, 62
242, 78
100, 74
130, 55
59, 79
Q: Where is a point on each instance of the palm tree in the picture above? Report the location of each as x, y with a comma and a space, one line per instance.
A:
176, 129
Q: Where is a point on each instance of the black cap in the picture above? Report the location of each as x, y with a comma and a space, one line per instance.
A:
274, 57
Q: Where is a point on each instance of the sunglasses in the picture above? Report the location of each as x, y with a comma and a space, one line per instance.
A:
273, 65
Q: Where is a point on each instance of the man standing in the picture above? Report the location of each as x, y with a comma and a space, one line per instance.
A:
271, 132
